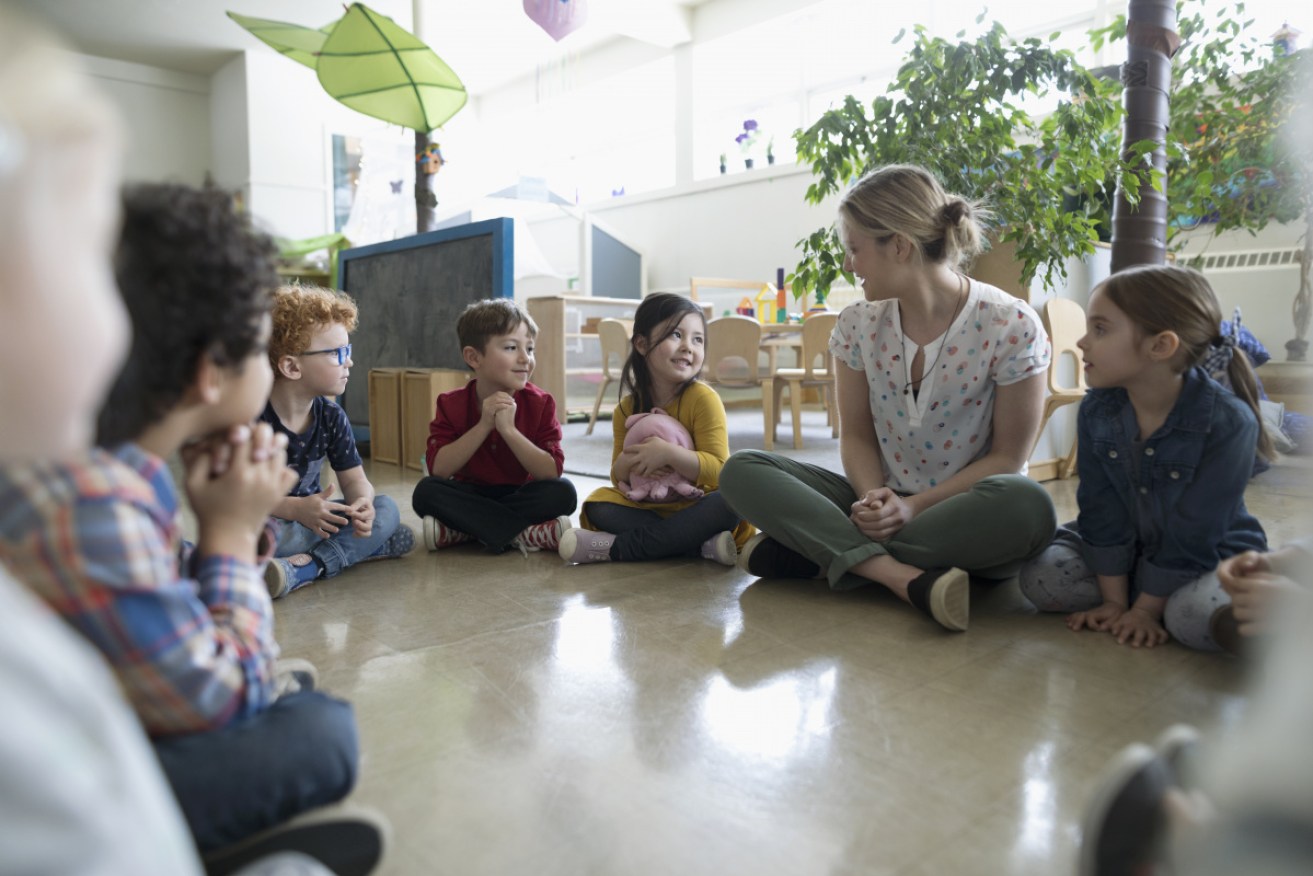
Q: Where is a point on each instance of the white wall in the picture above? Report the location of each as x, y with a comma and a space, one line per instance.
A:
166, 116
742, 226
1264, 295
290, 121
262, 124
230, 141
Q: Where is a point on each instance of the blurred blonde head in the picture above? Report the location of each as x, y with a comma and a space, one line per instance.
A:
64, 330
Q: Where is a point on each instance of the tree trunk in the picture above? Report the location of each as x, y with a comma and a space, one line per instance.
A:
1139, 232
426, 201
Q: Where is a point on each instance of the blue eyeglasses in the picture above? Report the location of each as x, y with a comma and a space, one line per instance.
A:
342, 353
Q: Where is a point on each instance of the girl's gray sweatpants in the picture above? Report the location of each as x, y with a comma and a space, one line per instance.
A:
1060, 579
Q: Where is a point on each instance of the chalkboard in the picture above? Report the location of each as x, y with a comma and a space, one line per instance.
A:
410, 293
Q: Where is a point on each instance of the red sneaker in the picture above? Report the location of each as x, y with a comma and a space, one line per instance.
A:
543, 536
438, 535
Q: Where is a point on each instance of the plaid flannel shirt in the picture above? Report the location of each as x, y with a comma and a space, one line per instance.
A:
190, 638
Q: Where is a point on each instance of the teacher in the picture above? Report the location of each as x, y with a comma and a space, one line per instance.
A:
940, 390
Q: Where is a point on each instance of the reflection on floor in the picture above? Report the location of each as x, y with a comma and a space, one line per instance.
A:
521, 716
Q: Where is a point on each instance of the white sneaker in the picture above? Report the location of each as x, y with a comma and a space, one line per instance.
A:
585, 546
721, 548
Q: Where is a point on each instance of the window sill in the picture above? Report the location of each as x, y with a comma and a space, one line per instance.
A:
769, 173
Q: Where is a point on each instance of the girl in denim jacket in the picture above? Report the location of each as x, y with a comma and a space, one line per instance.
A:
1164, 456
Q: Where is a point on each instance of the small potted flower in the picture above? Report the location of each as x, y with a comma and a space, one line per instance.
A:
747, 139
722, 162
770, 151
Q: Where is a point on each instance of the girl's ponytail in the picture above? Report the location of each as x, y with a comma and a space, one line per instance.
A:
1244, 383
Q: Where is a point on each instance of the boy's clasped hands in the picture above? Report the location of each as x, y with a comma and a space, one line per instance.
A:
1258, 587
323, 516
499, 412
235, 478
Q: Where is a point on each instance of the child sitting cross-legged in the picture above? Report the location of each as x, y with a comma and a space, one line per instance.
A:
667, 351
1163, 453
311, 357
494, 452
188, 629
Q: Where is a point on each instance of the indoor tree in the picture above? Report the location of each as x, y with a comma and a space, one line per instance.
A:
956, 108
1233, 160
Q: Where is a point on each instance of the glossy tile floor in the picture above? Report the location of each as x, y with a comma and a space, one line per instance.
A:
521, 716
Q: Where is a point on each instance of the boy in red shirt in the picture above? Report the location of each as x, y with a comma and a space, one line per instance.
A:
494, 451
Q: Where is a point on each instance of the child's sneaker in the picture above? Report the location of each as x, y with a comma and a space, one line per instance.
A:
347, 840
285, 574
585, 546
293, 675
1124, 827
398, 544
721, 548
438, 535
544, 536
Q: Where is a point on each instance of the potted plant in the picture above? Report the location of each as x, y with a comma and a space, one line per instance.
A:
954, 109
770, 151
722, 162
746, 139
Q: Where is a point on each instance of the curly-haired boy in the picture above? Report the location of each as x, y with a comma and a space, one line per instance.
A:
310, 352
188, 629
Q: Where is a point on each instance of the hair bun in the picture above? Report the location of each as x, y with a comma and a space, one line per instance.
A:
954, 212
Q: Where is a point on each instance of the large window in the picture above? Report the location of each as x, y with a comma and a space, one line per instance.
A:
590, 138
784, 73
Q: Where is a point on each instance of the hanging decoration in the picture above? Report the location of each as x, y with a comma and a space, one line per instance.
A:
301, 44
559, 18
378, 68
373, 65
430, 158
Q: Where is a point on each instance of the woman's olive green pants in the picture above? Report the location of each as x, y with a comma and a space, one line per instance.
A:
989, 530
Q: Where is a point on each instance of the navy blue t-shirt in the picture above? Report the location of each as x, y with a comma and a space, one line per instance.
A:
327, 437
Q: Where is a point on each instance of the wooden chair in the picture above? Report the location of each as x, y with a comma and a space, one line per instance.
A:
733, 348
816, 331
1064, 320
613, 334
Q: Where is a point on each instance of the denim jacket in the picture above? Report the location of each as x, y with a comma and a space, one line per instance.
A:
1179, 512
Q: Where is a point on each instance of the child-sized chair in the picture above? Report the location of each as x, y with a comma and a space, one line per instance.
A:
1064, 320
816, 330
613, 334
733, 353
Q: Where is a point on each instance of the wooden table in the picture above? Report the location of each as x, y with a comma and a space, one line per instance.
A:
781, 335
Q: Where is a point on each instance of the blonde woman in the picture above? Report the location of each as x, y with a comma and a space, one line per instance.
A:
940, 387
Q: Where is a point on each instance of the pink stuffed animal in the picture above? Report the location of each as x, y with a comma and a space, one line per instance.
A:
670, 486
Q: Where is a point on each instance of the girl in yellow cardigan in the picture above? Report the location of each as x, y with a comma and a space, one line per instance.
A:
665, 359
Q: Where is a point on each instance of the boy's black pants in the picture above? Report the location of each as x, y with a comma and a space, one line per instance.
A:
493, 514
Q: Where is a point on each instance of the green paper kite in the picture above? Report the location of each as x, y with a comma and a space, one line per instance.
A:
376, 67
301, 44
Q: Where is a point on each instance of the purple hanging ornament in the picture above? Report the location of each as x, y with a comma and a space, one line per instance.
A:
559, 18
